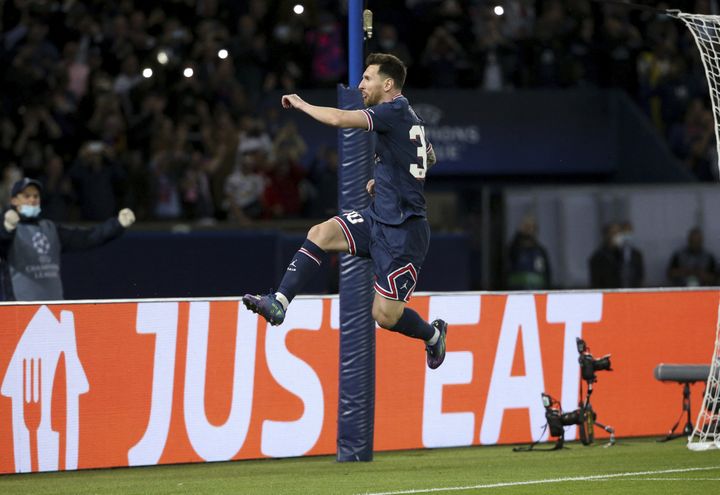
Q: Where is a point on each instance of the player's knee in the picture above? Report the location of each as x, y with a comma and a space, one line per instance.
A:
318, 235
386, 319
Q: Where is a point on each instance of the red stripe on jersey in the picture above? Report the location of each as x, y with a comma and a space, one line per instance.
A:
369, 119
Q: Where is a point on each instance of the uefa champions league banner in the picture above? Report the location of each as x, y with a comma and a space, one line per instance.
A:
91, 385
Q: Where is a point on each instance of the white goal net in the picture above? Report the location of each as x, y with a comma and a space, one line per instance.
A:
706, 434
706, 31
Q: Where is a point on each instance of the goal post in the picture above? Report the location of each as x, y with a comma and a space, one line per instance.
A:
706, 434
705, 29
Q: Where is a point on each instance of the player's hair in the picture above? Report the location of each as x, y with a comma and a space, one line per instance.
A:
389, 65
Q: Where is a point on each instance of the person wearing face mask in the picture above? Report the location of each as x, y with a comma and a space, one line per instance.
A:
616, 264
632, 267
30, 246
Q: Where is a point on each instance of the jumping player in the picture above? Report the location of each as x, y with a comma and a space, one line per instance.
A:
393, 231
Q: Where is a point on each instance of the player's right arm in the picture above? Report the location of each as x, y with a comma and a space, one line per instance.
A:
335, 117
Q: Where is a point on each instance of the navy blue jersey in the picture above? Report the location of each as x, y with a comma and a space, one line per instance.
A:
400, 161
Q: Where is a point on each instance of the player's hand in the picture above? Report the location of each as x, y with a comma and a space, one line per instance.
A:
370, 187
292, 101
11, 220
126, 217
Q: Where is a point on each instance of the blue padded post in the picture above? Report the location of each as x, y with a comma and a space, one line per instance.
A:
356, 398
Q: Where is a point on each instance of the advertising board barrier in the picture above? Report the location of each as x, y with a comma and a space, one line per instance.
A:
128, 383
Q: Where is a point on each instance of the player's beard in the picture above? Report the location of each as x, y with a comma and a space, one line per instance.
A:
369, 100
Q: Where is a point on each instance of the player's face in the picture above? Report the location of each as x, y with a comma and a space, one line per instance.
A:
372, 86
28, 196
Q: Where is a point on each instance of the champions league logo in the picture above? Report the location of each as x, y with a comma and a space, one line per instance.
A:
452, 141
40, 243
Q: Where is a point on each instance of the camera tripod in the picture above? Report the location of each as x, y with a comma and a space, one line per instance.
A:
587, 427
688, 428
584, 417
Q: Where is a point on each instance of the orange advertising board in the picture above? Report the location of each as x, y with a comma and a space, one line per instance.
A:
90, 385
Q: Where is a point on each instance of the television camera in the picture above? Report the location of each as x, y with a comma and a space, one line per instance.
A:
584, 416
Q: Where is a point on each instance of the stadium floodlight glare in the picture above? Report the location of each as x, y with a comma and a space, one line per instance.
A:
162, 57
499, 10
147, 72
188, 72
222, 53
298, 8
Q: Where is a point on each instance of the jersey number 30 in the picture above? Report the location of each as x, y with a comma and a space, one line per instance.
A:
417, 134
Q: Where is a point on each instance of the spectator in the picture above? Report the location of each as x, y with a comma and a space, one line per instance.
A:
632, 268
528, 262
31, 246
324, 177
443, 58
195, 187
285, 190
388, 41
244, 186
57, 191
692, 265
614, 267
693, 140
97, 180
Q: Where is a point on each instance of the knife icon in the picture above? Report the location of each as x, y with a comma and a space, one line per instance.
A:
58, 409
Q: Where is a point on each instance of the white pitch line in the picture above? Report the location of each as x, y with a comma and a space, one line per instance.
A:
539, 482
674, 479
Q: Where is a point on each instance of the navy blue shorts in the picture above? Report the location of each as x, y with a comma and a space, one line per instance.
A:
397, 251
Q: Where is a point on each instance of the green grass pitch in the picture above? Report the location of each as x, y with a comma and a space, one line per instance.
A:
632, 466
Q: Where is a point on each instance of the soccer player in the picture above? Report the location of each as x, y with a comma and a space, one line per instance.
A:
393, 231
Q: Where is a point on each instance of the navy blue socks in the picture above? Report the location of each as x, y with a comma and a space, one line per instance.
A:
412, 325
304, 265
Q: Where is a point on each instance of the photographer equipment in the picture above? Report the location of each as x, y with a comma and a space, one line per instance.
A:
584, 416
686, 374
588, 366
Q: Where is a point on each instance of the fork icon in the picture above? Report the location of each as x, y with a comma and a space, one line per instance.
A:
32, 404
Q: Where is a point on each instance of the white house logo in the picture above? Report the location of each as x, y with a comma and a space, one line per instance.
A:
30, 383
41, 243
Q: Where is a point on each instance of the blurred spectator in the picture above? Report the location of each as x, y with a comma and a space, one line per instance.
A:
692, 265
167, 167
443, 59
10, 175
245, 185
73, 75
632, 268
197, 197
528, 264
286, 190
97, 180
693, 141
387, 40
328, 59
288, 141
57, 191
324, 176
613, 265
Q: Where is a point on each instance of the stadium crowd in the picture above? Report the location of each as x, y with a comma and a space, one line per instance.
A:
154, 105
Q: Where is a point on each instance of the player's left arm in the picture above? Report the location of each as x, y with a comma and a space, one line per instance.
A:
431, 159
335, 117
